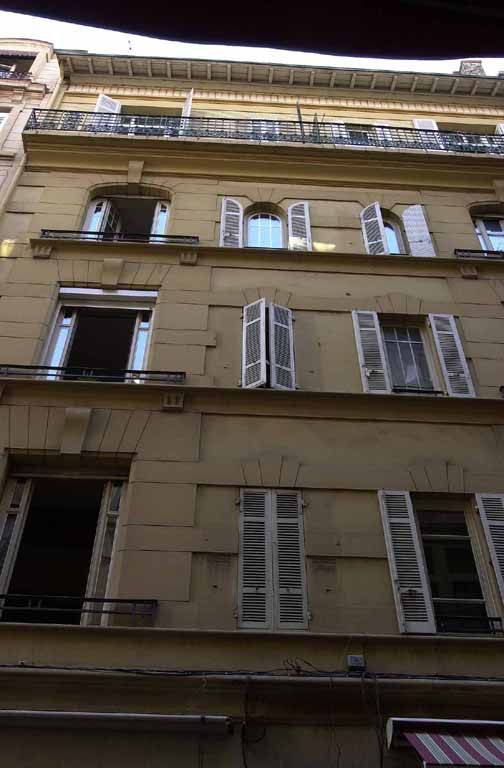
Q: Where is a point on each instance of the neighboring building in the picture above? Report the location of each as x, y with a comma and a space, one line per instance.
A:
252, 334
29, 78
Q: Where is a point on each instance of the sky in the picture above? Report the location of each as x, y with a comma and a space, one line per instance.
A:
64, 35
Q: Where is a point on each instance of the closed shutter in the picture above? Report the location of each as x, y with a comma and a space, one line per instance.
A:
417, 231
425, 124
373, 365
281, 338
289, 561
255, 583
299, 227
254, 345
107, 104
491, 509
373, 230
406, 562
451, 356
231, 233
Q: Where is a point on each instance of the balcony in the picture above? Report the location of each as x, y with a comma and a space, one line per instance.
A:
81, 373
117, 237
463, 253
265, 131
7, 74
69, 609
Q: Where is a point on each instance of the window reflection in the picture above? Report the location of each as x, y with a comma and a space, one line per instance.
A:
264, 231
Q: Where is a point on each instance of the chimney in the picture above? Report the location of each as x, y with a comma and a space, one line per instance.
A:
471, 67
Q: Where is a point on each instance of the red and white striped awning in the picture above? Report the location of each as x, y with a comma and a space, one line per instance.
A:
436, 747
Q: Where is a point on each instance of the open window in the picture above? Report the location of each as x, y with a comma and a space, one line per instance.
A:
490, 231
386, 234
57, 541
127, 218
263, 226
15, 65
101, 335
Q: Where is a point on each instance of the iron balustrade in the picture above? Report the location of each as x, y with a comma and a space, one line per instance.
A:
265, 131
6, 74
118, 237
83, 373
23, 607
463, 253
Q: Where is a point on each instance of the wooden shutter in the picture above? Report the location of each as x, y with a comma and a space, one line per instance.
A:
417, 231
231, 233
373, 365
425, 124
255, 583
373, 230
254, 345
186, 111
105, 103
281, 339
406, 562
451, 356
289, 571
299, 227
491, 509
499, 128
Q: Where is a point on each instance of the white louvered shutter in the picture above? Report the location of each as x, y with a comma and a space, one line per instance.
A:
417, 231
406, 562
281, 339
289, 571
499, 128
373, 365
491, 509
425, 124
373, 230
105, 103
255, 581
231, 233
299, 227
254, 345
451, 356
186, 111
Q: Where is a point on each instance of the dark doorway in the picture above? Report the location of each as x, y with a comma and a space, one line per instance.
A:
101, 344
55, 551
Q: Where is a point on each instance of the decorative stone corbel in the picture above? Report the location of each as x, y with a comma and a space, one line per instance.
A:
135, 170
42, 250
111, 272
74, 429
469, 271
173, 401
188, 258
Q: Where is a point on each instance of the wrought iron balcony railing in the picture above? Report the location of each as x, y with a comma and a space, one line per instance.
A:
7, 74
265, 131
118, 237
463, 253
69, 609
82, 373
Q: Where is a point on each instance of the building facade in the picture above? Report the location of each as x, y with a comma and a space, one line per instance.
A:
252, 328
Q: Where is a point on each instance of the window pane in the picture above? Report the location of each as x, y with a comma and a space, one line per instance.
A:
264, 231
406, 358
392, 238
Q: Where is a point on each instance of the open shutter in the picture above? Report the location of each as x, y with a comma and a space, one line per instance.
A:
451, 356
417, 231
97, 215
254, 345
373, 230
281, 336
406, 562
499, 128
186, 111
231, 233
299, 227
425, 124
289, 561
373, 365
107, 104
491, 509
255, 583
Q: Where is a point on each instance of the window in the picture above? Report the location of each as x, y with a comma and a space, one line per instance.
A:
387, 234
272, 580
138, 218
3, 118
406, 358
267, 346
264, 230
57, 538
395, 358
438, 579
490, 233
15, 65
98, 336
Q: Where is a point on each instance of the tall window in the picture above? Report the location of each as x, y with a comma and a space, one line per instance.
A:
393, 238
406, 357
264, 230
141, 218
490, 233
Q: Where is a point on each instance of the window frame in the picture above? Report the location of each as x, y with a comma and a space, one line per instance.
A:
391, 322
481, 230
257, 213
74, 299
